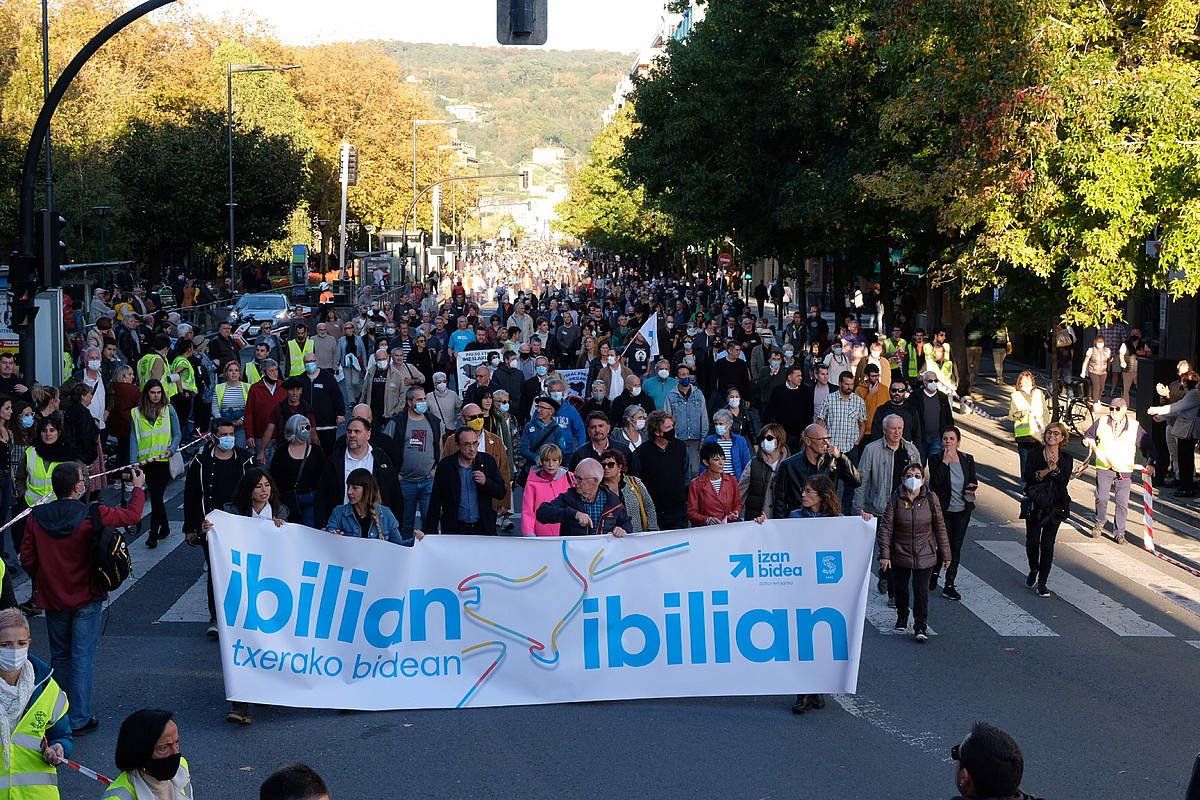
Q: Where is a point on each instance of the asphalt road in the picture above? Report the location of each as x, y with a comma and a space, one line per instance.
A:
1092, 682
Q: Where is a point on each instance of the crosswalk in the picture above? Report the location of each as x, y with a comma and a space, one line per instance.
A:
1083, 585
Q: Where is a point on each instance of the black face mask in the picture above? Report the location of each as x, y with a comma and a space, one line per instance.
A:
669, 435
163, 769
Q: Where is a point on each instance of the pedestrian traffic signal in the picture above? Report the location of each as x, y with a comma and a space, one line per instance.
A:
524, 180
521, 22
350, 164
48, 269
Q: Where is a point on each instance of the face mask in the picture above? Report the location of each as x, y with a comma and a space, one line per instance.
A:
225, 443
163, 769
380, 364
687, 345
495, 362
635, 391
13, 658
768, 446
504, 407
789, 353
421, 406
27, 422
304, 435
670, 326
475, 424
776, 363
310, 367
541, 371
599, 395
389, 331
512, 363
663, 374
722, 429
734, 402
612, 360
441, 387
557, 396
685, 382
93, 364
669, 435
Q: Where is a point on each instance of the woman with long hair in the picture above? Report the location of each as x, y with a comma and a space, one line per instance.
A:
124, 395
588, 352
48, 449
45, 399
364, 515
154, 434
1048, 502
744, 419
421, 358
298, 468
757, 481
618, 482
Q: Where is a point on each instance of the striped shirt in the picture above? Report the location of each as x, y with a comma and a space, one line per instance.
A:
234, 400
727, 450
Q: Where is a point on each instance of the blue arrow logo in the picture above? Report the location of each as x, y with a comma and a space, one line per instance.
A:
743, 564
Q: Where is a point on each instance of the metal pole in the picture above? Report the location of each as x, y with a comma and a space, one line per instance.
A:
229, 132
47, 232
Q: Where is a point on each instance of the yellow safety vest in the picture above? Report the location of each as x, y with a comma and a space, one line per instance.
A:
1034, 421
122, 787
145, 371
221, 392
37, 477
296, 356
187, 374
1116, 451
152, 439
28, 776
68, 363
252, 373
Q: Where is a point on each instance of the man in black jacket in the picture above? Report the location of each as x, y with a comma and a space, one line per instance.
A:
208, 484
418, 441
664, 469
791, 405
932, 408
819, 456
350, 453
586, 508
508, 376
464, 486
324, 394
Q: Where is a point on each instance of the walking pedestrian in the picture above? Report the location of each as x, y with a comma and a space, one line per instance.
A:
664, 462
465, 485
229, 400
818, 499
713, 497
952, 478
1028, 410
298, 469
1116, 440
587, 507
57, 554
912, 540
36, 735
545, 482
154, 435
151, 763
418, 436
1047, 504
1095, 367
757, 482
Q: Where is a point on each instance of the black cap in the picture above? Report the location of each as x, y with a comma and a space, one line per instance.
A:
548, 400
294, 382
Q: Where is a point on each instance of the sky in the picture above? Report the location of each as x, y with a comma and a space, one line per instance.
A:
621, 25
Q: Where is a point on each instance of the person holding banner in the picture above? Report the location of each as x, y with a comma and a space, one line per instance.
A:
465, 485
912, 539
586, 508
713, 496
643, 517
152, 767
364, 514
545, 482
818, 499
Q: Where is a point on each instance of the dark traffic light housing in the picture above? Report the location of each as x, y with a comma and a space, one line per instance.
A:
49, 232
521, 22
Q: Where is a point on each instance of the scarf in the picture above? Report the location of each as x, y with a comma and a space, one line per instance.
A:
13, 700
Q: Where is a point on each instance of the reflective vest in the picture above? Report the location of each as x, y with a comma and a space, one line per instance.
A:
187, 374
28, 776
252, 373
37, 477
1034, 420
915, 359
1116, 451
221, 393
68, 363
152, 439
296, 356
145, 371
122, 788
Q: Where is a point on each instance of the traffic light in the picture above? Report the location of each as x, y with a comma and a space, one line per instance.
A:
521, 22
22, 286
350, 164
524, 180
49, 232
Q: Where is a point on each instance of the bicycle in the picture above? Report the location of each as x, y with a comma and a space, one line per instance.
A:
1075, 408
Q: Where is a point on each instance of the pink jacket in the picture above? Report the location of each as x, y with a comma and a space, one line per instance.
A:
539, 488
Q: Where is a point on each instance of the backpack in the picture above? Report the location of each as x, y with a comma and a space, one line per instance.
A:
111, 562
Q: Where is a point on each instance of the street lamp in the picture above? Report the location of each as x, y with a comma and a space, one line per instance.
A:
421, 123
370, 229
237, 69
101, 212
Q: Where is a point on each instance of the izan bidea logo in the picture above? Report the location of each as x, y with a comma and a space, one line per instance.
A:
763, 564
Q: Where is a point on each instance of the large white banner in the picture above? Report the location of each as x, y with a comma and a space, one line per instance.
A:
311, 619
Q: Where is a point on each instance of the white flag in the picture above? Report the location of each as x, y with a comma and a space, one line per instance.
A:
649, 332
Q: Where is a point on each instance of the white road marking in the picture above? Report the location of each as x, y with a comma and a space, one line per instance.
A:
192, 605
1195, 644
869, 711
884, 618
1001, 614
1123, 563
1097, 605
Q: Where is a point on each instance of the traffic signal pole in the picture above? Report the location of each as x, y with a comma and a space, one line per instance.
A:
25, 268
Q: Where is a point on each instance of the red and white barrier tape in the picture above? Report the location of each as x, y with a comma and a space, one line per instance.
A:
86, 772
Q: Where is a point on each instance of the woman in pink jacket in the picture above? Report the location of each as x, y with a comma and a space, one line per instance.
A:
546, 482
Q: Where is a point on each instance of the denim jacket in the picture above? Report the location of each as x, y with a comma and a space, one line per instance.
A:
690, 413
344, 519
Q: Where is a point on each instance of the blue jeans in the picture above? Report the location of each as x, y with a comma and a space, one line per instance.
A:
74, 636
414, 493
305, 509
930, 446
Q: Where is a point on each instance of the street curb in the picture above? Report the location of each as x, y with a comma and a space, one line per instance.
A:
1186, 561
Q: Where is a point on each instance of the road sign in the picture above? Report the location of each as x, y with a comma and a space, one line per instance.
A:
725, 260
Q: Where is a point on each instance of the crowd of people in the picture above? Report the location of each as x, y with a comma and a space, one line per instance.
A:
603, 401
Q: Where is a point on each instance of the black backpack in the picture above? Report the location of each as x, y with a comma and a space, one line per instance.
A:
111, 562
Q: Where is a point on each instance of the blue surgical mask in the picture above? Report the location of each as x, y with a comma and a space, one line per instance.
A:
504, 407
558, 396
421, 406
685, 382
225, 442
541, 371
310, 366
26, 422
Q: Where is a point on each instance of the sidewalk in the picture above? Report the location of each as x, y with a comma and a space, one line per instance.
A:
1176, 532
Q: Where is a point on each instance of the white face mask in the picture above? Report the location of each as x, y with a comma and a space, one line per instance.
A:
380, 364
441, 387
639, 424
612, 360
913, 483
721, 429
93, 364
663, 374
768, 446
13, 658
734, 402
635, 391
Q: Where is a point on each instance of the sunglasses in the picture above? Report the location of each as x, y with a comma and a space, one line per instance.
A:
768, 438
609, 465
899, 391
474, 416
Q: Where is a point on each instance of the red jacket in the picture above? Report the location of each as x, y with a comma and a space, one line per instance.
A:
56, 550
259, 405
703, 502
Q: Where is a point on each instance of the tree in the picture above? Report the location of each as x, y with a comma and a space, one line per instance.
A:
177, 172
605, 208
